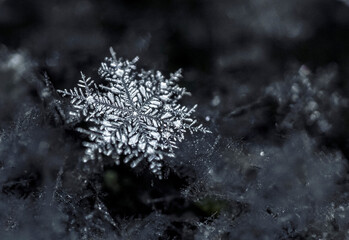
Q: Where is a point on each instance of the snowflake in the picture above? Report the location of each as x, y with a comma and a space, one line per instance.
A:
135, 116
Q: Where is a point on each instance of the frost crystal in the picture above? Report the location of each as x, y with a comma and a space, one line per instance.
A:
135, 116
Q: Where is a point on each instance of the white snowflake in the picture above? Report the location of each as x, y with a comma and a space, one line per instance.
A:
135, 116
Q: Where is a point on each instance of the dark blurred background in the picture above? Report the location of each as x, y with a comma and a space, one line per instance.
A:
219, 44
214, 41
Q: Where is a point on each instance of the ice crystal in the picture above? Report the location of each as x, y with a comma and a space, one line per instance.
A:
136, 116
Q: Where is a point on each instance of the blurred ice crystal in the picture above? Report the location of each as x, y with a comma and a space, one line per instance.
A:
135, 116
